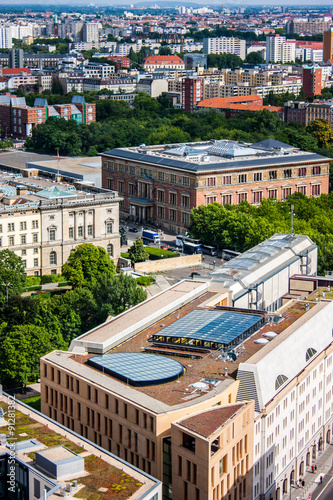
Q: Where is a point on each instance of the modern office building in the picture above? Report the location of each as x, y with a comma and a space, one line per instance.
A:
185, 406
32, 468
223, 44
6, 37
163, 183
278, 49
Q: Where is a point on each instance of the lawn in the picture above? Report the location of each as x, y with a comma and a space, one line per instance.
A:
33, 402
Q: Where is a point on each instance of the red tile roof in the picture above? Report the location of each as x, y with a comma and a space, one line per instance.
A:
217, 102
15, 71
207, 422
163, 59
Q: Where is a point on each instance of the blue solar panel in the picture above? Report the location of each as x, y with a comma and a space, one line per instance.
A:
221, 327
138, 369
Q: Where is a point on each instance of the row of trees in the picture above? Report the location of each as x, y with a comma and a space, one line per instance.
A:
151, 121
243, 226
30, 327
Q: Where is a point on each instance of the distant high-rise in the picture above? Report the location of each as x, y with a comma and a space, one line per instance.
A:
278, 49
223, 44
15, 58
312, 81
91, 32
6, 37
328, 45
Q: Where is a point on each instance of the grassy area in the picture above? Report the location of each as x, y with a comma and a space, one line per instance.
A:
33, 402
155, 253
118, 486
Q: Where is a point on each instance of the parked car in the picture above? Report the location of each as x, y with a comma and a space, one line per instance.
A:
164, 247
133, 230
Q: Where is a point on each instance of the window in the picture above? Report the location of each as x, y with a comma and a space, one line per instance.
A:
109, 249
160, 212
172, 215
173, 178
110, 165
80, 231
23, 226
211, 181
242, 178
226, 179
210, 199
309, 353
11, 241
257, 177
35, 250
272, 193
36, 488
185, 219
53, 258
257, 196
186, 181
301, 189
188, 442
227, 199
287, 173
35, 262
71, 232
109, 227
161, 176
52, 235
316, 170
272, 175
34, 224
24, 252
315, 190
131, 189
11, 226
173, 199
110, 183
160, 195
301, 172
35, 238
23, 239
185, 201
286, 192
132, 170
90, 230
280, 380
241, 197
121, 187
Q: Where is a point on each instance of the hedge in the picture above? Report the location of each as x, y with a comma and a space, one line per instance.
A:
145, 280
33, 288
159, 253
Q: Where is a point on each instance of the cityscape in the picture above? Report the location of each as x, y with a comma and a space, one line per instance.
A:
166, 251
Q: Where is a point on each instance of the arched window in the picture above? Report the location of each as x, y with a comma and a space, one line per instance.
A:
53, 258
309, 353
280, 380
109, 250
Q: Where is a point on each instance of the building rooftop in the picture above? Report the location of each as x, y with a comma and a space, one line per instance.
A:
217, 155
60, 445
207, 422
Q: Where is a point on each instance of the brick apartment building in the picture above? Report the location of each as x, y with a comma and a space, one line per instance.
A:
163, 183
192, 92
306, 112
312, 81
17, 119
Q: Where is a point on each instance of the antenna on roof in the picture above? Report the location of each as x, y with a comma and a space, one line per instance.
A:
292, 221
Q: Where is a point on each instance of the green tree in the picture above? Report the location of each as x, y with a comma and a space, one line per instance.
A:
22, 349
321, 130
137, 252
12, 274
116, 294
254, 58
57, 87
86, 264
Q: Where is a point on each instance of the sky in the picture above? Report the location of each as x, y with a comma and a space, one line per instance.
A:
177, 3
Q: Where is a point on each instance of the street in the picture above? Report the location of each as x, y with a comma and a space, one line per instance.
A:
324, 491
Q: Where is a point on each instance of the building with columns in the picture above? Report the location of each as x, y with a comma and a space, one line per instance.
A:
44, 217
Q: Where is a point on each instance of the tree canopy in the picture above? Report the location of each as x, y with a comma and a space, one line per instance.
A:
12, 275
86, 263
137, 252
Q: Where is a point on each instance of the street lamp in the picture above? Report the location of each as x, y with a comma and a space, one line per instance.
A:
6, 285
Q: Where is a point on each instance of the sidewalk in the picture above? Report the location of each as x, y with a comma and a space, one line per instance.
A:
324, 463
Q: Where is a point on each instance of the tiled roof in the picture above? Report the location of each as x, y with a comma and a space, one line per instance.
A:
207, 422
15, 71
163, 59
219, 102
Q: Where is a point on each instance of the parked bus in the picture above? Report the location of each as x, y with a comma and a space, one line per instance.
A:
191, 248
229, 254
209, 250
181, 239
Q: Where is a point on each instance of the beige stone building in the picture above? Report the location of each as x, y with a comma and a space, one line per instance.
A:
42, 220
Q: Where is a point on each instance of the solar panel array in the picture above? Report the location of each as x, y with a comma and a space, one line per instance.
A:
138, 369
222, 327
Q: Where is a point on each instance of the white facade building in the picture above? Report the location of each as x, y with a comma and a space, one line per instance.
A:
224, 45
6, 37
278, 49
90, 32
291, 382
